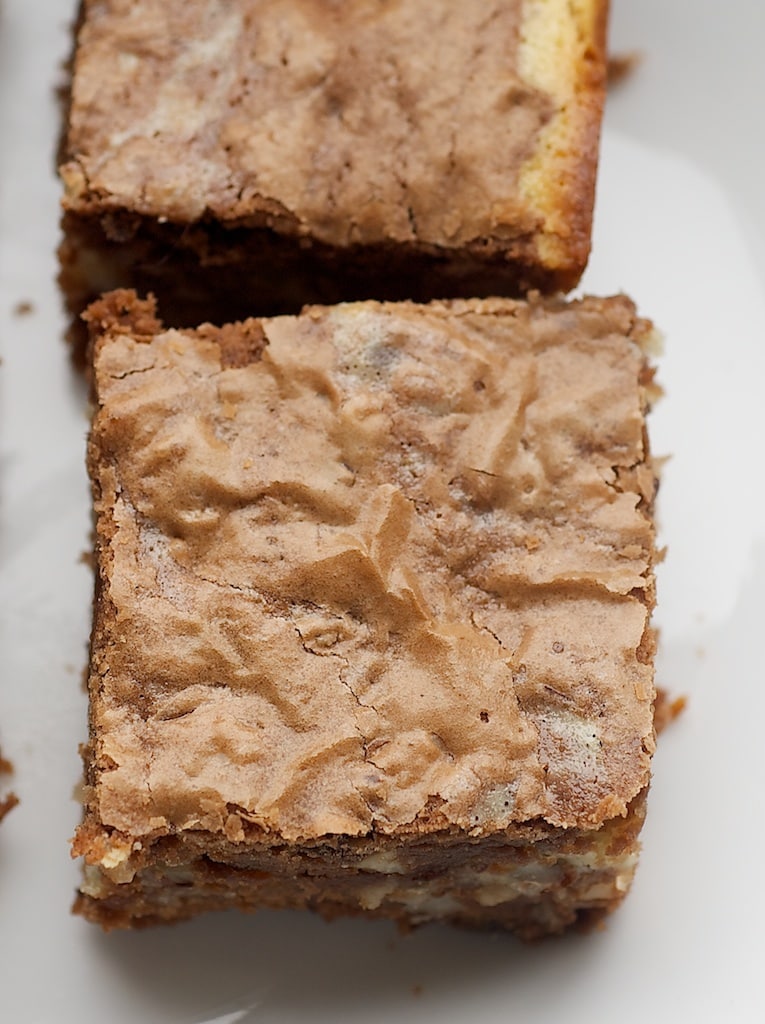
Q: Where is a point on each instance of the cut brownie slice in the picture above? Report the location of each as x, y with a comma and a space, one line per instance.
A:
372, 612
249, 156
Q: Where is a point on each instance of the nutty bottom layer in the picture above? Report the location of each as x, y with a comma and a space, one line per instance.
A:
533, 900
536, 889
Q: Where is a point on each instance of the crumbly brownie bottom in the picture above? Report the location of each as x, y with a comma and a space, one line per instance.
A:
531, 888
208, 273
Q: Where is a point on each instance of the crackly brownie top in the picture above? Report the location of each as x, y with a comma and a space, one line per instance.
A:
373, 568
352, 121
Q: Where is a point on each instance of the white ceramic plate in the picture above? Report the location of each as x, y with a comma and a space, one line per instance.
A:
680, 219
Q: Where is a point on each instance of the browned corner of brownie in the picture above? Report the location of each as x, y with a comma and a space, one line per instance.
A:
372, 619
122, 312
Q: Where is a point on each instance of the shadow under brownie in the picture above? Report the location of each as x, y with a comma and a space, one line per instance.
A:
248, 157
372, 613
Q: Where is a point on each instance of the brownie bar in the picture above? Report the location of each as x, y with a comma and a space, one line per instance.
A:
372, 612
250, 156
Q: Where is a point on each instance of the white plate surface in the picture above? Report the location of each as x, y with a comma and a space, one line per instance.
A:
681, 227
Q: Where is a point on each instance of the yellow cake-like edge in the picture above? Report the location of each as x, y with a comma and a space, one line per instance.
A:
563, 54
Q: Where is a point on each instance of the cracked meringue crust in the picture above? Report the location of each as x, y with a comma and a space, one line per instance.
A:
286, 151
372, 577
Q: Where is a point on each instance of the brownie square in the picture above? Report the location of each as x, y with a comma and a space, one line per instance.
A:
248, 157
372, 612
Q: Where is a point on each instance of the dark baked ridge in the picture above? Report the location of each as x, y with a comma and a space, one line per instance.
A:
395, 151
412, 690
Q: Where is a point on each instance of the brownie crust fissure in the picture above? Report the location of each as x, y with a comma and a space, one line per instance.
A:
372, 613
251, 156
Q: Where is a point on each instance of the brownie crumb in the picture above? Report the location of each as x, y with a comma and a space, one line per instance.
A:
667, 709
9, 801
7, 804
622, 66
